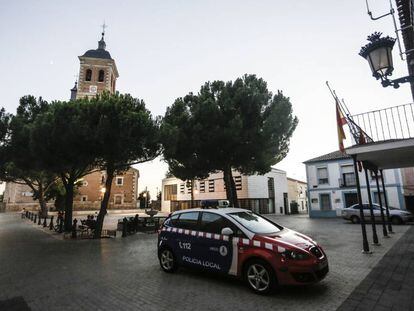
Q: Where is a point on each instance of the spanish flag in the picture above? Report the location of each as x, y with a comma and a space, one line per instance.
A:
340, 122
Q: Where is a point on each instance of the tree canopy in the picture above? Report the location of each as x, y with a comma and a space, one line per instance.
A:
228, 126
122, 132
20, 163
61, 139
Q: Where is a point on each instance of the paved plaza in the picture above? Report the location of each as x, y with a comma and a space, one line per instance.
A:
39, 271
389, 285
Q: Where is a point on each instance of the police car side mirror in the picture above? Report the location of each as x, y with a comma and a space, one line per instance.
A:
227, 231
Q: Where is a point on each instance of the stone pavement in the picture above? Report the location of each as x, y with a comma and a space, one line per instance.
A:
45, 273
390, 284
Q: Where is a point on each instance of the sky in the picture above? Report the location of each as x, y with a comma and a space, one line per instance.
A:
166, 49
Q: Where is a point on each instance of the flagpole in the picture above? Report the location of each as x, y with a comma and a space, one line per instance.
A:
333, 93
355, 129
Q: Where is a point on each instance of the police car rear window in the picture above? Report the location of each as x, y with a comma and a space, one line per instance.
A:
187, 221
255, 223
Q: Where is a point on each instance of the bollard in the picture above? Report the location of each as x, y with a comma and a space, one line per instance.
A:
124, 228
60, 224
44, 223
31, 216
75, 221
136, 223
35, 218
51, 223
40, 220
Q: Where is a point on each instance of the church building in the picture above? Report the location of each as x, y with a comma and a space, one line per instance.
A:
97, 73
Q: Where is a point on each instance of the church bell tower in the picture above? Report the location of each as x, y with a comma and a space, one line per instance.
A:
97, 71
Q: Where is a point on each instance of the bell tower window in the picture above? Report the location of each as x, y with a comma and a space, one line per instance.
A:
88, 76
101, 76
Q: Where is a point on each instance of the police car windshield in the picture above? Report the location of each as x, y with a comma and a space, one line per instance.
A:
255, 223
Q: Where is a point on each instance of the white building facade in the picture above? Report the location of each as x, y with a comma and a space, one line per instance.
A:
332, 186
263, 194
297, 193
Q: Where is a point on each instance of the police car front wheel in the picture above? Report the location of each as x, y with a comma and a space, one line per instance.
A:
167, 260
259, 276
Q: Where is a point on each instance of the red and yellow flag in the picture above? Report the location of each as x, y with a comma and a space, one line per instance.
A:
340, 122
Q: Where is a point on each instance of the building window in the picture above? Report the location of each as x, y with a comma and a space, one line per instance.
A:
202, 186
376, 198
189, 186
83, 183
170, 192
84, 198
373, 176
118, 199
211, 185
120, 181
101, 76
322, 173
325, 202
88, 76
238, 182
348, 176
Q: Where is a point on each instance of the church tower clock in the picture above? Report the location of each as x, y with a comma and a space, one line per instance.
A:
97, 71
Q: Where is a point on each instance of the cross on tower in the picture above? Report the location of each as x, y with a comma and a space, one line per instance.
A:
103, 28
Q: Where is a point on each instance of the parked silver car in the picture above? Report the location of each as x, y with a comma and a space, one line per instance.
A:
397, 216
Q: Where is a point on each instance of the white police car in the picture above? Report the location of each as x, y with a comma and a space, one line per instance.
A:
239, 242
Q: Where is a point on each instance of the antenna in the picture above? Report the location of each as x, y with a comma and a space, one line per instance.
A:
391, 12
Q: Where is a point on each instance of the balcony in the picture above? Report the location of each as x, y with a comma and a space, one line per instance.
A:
386, 124
384, 138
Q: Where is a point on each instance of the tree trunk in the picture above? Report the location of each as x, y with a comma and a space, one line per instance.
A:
104, 204
42, 202
192, 193
68, 205
227, 176
234, 191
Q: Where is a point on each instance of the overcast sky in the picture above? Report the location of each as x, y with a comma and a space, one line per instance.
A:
165, 49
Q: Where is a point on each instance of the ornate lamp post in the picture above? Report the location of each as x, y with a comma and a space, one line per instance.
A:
378, 53
145, 198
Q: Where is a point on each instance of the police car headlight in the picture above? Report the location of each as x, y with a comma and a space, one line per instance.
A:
296, 255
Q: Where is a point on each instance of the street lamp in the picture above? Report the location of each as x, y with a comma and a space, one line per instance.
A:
378, 53
145, 198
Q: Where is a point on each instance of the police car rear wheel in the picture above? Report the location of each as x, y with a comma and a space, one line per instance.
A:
259, 277
167, 260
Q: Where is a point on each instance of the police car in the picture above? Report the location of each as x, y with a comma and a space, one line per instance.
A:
239, 242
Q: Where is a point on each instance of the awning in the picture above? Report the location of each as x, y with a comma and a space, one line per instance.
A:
397, 153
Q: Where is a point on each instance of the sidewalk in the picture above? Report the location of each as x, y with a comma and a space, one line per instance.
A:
390, 284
